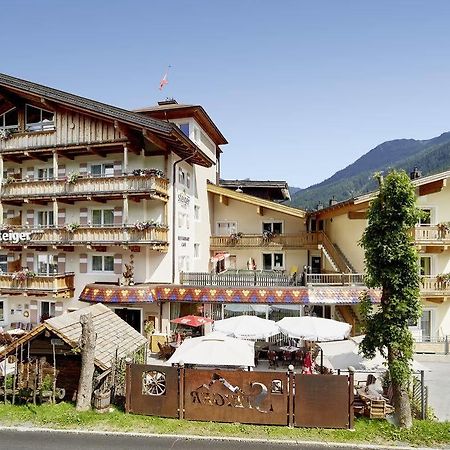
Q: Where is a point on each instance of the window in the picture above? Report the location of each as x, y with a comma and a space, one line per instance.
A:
3, 263
425, 266
45, 219
9, 120
45, 173
207, 142
226, 228
273, 227
102, 263
47, 264
426, 325
196, 212
47, 310
273, 261
188, 180
102, 170
426, 219
196, 251
38, 119
184, 127
181, 176
102, 217
2, 311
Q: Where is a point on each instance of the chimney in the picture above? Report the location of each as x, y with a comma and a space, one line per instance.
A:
319, 206
416, 173
332, 201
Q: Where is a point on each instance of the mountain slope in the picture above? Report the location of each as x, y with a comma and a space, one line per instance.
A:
430, 156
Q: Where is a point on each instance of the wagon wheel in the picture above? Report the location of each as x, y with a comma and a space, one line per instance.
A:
153, 383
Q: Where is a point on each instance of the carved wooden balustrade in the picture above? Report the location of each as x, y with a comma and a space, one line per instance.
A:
59, 285
300, 240
105, 234
435, 285
432, 234
86, 186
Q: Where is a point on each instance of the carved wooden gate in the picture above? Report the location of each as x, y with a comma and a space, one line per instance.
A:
266, 398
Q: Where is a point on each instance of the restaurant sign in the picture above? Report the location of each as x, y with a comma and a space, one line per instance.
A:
234, 396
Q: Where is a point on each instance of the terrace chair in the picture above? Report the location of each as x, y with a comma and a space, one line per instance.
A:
287, 358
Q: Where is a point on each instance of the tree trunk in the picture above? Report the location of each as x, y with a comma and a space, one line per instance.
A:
87, 345
402, 404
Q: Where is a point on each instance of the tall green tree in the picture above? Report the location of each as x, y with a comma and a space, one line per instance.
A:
391, 264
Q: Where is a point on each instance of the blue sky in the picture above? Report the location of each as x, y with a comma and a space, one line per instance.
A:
300, 89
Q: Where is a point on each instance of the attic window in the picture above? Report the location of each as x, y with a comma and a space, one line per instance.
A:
38, 119
9, 120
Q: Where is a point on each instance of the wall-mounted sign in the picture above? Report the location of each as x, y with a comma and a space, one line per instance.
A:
14, 236
183, 199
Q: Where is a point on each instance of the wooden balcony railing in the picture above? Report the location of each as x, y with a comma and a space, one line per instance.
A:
335, 279
84, 186
300, 240
269, 279
126, 234
434, 285
59, 285
431, 234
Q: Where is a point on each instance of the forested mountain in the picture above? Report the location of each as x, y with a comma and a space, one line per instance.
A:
429, 156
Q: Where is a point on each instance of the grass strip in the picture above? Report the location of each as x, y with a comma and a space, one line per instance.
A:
377, 432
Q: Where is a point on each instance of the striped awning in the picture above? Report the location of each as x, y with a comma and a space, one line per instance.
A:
146, 293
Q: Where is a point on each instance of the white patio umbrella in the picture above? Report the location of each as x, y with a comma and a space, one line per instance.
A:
247, 327
314, 328
215, 349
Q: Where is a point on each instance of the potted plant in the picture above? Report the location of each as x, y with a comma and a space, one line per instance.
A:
23, 275
73, 177
443, 229
71, 227
5, 134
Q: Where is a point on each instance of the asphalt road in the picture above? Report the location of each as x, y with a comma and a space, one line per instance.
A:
40, 440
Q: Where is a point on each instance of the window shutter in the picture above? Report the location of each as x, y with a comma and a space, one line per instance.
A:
83, 169
117, 168
83, 263
83, 216
58, 308
30, 173
33, 311
118, 263
61, 217
30, 217
61, 263
118, 215
30, 261
61, 171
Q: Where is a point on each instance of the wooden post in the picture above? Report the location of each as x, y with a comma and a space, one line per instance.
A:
351, 376
181, 391
4, 380
87, 345
15, 378
290, 376
127, 388
54, 373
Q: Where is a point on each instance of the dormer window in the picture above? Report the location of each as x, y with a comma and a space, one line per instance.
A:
37, 119
9, 120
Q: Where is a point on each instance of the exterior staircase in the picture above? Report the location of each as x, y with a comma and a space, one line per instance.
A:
347, 314
334, 256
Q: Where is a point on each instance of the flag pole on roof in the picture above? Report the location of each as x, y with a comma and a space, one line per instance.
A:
164, 79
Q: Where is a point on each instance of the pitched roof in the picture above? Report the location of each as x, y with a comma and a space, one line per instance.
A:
164, 129
245, 198
279, 190
113, 333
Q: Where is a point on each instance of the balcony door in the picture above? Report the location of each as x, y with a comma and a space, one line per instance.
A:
425, 325
131, 316
47, 264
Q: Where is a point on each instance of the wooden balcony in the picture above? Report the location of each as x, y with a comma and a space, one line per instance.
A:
101, 235
434, 287
277, 242
334, 279
432, 236
138, 186
57, 285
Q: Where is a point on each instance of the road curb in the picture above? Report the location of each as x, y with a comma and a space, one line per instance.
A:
293, 442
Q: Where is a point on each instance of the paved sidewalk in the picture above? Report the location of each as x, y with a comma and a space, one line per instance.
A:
437, 380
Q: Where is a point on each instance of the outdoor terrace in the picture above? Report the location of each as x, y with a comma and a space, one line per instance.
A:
78, 189
57, 285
